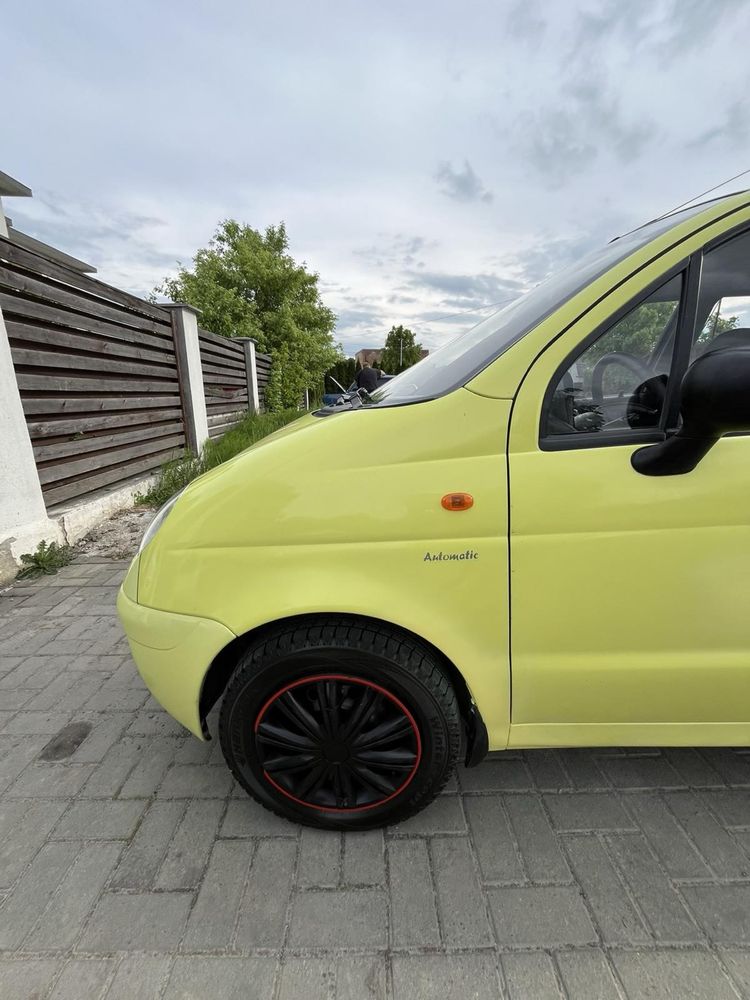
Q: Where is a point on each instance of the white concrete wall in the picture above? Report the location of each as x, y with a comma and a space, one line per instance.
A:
3, 224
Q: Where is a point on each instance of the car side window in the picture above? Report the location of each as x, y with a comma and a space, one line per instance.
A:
723, 309
617, 383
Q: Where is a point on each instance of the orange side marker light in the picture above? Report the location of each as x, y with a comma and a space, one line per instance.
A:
457, 501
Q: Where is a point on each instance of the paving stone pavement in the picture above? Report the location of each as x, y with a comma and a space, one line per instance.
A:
136, 868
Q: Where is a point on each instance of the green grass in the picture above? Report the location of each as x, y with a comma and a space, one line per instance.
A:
174, 475
47, 559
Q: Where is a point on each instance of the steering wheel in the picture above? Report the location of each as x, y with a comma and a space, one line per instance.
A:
629, 361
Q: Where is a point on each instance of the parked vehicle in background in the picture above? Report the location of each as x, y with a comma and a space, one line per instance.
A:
563, 490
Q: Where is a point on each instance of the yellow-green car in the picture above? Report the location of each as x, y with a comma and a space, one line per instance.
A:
539, 536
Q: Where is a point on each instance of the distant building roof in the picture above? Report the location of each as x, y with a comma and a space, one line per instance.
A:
11, 188
369, 354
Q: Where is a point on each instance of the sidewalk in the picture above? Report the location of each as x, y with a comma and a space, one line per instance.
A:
131, 866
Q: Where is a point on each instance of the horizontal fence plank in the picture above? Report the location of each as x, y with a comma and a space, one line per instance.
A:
223, 370
100, 442
62, 383
82, 486
222, 419
51, 338
225, 419
216, 416
86, 422
17, 305
38, 264
229, 354
238, 371
224, 390
230, 406
103, 364
216, 339
87, 403
233, 417
48, 291
217, 383
51, 472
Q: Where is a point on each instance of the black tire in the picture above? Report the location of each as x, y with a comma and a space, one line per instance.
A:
340, 723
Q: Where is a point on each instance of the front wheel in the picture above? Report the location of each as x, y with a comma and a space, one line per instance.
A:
340, 724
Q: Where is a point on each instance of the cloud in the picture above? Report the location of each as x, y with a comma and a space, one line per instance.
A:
525, 21
103, 235
466, 290
360, 327
461, 185
666, 30
545, 122
395, 251
586, 123
732, 130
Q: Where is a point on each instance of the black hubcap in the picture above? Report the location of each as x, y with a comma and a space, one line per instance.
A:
337, 742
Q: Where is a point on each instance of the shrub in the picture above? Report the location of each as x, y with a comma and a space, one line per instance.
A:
178, 473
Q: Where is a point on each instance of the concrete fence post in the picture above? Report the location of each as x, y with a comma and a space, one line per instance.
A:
251, 368
23, 514
190, 373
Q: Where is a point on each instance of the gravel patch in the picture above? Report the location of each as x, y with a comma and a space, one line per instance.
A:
118, 537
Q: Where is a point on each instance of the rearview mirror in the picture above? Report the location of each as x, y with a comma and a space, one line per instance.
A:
714, 400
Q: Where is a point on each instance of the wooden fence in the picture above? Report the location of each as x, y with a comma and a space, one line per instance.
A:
224, 381
101, 386
263, 366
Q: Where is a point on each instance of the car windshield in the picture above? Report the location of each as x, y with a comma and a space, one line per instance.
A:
461, 359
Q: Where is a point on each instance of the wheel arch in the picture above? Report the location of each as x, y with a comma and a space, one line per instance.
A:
217, 676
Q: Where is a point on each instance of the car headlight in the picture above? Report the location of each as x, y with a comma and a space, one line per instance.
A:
157, 522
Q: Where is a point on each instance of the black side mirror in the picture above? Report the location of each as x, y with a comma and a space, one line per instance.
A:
714, 400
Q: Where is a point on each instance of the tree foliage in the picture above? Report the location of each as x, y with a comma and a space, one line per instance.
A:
344, 371
401, 350
246, 284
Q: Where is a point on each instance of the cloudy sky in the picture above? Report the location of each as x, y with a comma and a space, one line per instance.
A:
430, 158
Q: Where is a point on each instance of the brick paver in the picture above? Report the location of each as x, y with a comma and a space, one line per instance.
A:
135, 868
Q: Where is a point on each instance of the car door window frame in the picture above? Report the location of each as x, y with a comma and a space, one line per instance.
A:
608, 439
681, 359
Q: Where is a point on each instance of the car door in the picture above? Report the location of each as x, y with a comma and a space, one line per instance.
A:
630, 593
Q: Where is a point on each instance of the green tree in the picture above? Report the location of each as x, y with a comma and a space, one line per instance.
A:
344, 371
401, 350
716, 324
246, 284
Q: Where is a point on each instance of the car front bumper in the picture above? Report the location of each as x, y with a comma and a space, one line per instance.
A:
173, 653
